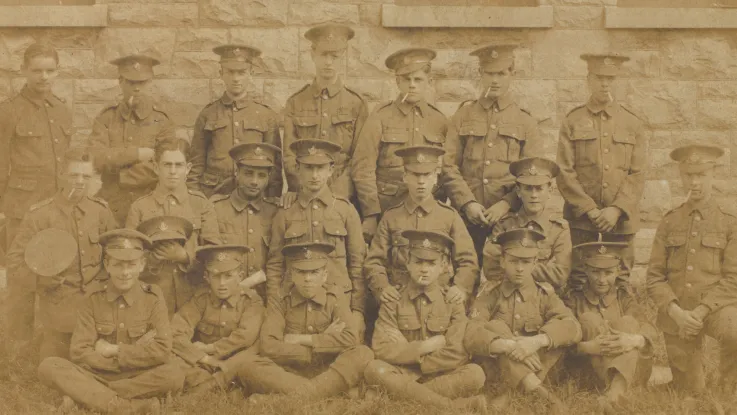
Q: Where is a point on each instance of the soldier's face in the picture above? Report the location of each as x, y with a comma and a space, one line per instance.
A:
534, 197
601, 280
420, 185
308, 282
425, 271
40, 73
236, 80
252, 180
172, 168
328, 63
124, 273
132, 89
496, 84
600, 87
77, 179
414, 85
313, 177
225, 284
517, 270
698, 184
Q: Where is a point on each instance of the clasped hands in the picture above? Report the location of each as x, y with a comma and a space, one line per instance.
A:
605, 219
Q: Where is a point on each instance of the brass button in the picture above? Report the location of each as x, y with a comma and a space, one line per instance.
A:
133, 121
317, 240
487, 162
690, 267
485, 181
605, 185
417, 129
314, 207
324, 132
606, 167
490, 145
419, 214
688, 285
697, 218
309, 307
130, 138
121, 325
493, 126
250, 231
324, 114
237, 141
516, 317
250, 249
121, 306
606, 151
694, 233
235, 123
223, 323
693, 251
606, 134
315, 223
56, 140
530, 227
310, 328
250, 212
519, 300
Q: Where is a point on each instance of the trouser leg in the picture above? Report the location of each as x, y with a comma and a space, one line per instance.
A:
262, 375
55, 344
722, 326
403, 385
79, 384
157, 381
21, 300
462, 382
685, 358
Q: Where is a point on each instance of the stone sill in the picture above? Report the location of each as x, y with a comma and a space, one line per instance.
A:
670, 18
467, 16
53, 16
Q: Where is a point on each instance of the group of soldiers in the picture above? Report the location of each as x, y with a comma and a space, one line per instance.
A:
404, 252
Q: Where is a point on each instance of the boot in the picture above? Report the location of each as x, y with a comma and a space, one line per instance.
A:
477, 404
325, 385
67, 405
150, 406
501, 402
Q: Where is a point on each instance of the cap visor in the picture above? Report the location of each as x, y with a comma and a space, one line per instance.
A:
167, 236
308, 265
413, 67
534, 180
605, 71
498, 65
316, 159
124, 254
696, 168
255, 163
222, 266
421, 168
426, 254
136, 76
602, 263
522, 252
233, 64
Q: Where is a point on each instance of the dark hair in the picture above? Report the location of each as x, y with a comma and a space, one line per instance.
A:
40, 49
171, 144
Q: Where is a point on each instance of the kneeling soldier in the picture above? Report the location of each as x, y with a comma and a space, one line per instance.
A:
420, 337
309, 331
617, 338
521, 322
121, 346
213, 330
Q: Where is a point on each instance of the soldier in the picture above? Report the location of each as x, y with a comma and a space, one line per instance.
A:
245, 215
125, 134
485, 136
535, 177
325, 109
692, 276
601, 154
214, 329
121, 346
171, 276
319, 215
35, 131
57, 252
308, 333
386, 263
617, 336
233, 119
521, 323
419, 338
407, 121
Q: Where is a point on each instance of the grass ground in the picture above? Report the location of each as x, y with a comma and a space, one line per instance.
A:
20, 393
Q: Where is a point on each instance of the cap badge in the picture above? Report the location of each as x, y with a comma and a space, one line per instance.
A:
222, 257
494, 54
608, 61
308, 254
533, 171
237, 51
421, 158
525, 242
258, 151
330, 36
127, 244
426, 243
163, 226
602, 250
312, 150
694, 158
136, 65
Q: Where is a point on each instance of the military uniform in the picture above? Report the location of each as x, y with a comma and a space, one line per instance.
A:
117, 134
602, 156
485, 136
334, 112
227, 122
694, 263
333, 363
230, 325
325, 218
554, 257
137, 323
421, 313
387, 258
62, 281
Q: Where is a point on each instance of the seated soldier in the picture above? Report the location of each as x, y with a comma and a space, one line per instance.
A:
171, 276
617, 338
534, 177
419, 338
521, 322
213, 330
121, 346
309, 343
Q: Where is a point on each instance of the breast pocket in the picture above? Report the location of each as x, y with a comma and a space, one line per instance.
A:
337, 234
434, 139
713, 245
253, 131
228, 232
28, 131
392, 139
398, 254
408, 321
438, 324
136, 331
94, 251
585, 146
475, 135
533, 325
295, 232
674, 247
343, 125
624, 144
206, 329
306, 126
220, 136
513, 136
106, 331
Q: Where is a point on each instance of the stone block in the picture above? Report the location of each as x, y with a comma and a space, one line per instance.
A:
574, 91
195, 65
663, 104
183, 99
579, 2
279, 48
12, 45
279, 90
455, 64
643, 64
114, 43
71, 38
467, 16
243, 12
85, 114
76, 63
538, 97
661, 139
369, 14
643, 246
716, 114
6, 89
54, 16
717, 138
655, 202
694, 55
307, 14
660, 166
96, 90
636, 39
142, 15
523, 63
447, 107
718, 89
670, 18
368, 51
579, 17
455, 90
556, 53
379, 90
190, 39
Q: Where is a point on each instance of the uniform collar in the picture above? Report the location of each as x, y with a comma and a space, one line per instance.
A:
333, 88
130, 297
432, 292
144, 107
160, 194
36, 100
319, 298
325, 196
427, 205
232, 301
239, 203
703, 208
542, 220
526, 290
502, 102
240, 103
596, 107
594, 299
406, 107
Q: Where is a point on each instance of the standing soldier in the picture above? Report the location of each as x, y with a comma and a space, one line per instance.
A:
692, 276
124, 136
486, 135
409, 120
326, 109
57, 252
245, 215
602, 154
233, 119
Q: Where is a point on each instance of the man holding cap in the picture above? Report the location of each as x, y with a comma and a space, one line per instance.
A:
326, 109
602, 157
124, 136
534, 178
233, 119
121, 346
486, 135
245, 215
692, 275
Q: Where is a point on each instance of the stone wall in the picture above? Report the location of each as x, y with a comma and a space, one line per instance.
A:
683, 82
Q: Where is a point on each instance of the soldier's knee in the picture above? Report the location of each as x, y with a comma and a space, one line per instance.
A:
362, 356
627, 324
172, 377
374, 371
475, 374
49, 367
590, 320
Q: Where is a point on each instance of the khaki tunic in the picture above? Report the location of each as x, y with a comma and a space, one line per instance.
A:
336, 113
221, 125
386, 263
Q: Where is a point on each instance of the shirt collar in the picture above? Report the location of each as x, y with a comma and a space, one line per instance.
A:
144, 107
596, 107
542, 220
702, 207
239, 203
595, 299
36, 100
333, 88
325, 196
425, 205
240, 103
217, 302
432, 292
406, 107
319, 298
130, 297
525, 290
180, 194
502, 102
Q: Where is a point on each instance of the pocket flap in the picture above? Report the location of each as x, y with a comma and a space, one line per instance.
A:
295, 230
306, 121
27, 131
205, 328
341, 118
395, 136
254, 124
478, 129
137, 331
438, 323
209, 179
624, 137
385, 188
514, 131
584, 134
216, 124
532, 326
398, 239
22, 184
675, 240
435, 138
94, 236
335, 228
266, 239
714, 241
408, 322
105, 329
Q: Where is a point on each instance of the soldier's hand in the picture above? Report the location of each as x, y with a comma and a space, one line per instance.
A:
210, 363
616, 344
287, 200
389, 294
533, 362
369, 226
474, 211
593, 214
687, 323
336, 327
608, 218
395, 335
145, 154
496, 211
207, 348
432, 344
106, 349
456, 295
525, 347
291, 338
171, 251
